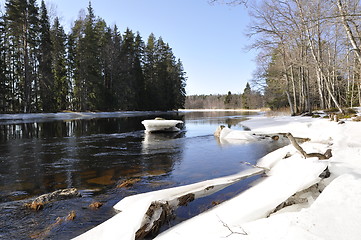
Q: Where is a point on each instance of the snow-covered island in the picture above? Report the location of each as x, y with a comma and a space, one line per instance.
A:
293, 201
161, 125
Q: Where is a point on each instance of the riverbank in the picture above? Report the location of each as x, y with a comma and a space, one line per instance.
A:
323, 208
328, 208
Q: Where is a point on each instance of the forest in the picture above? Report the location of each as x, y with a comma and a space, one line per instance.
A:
92, 68
309, 52
249, 99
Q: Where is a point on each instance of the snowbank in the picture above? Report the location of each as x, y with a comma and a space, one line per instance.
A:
335, 213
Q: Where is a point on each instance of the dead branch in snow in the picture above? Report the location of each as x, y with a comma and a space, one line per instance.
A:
320, 156
255, 166
232, 232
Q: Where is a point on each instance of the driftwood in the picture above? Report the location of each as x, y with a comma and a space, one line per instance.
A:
320, 156
158, 214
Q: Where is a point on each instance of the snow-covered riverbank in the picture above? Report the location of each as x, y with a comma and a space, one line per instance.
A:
335, 213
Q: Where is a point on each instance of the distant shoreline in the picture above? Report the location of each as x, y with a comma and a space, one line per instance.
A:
223, 110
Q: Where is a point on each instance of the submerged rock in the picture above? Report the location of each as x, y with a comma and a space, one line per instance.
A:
57, 195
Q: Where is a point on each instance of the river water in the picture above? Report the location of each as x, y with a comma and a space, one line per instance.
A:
96, 153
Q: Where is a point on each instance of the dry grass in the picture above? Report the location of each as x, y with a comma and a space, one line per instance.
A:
279, 112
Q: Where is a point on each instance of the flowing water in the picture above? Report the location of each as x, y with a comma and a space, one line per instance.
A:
95, 154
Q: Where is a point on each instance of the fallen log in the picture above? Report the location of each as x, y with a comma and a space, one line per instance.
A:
320, 156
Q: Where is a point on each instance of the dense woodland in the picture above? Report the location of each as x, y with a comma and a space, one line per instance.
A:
310, 52
93, 67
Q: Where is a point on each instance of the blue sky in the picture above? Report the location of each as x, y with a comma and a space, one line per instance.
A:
209, 39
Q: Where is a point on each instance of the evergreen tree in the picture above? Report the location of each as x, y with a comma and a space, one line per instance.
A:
4, 83
59, 71
46, 78
106, 52
87, 64
116, 85
179, 91
138, 73
92, 68
150, 74
127, 58
246, 96
163, 83
72, 72
21, 26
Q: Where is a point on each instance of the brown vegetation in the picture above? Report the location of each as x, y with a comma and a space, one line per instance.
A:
59, 220
128, 183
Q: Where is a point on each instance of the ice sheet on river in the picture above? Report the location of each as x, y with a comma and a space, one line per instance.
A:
33, 117
132, 209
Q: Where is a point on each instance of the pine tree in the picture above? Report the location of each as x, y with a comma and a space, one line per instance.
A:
4, 83
46, 77
22, 27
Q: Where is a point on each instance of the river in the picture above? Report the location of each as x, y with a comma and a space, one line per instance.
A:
96, 152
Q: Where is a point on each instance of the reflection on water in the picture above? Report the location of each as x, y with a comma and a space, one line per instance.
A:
95, 155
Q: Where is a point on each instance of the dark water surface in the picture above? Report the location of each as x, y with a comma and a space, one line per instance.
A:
95, 154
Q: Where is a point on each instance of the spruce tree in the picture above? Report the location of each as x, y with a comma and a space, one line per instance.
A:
246, 96
116, 82
138, 73
106, 49
87, 64
59, 70
179, 91
150, 74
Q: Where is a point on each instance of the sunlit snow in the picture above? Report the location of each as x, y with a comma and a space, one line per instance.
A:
335, 213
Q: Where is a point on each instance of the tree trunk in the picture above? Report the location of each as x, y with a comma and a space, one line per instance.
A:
321, 75
348, 30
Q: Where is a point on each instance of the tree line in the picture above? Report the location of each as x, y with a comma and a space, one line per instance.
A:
310, 53
249, 99
93, 67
